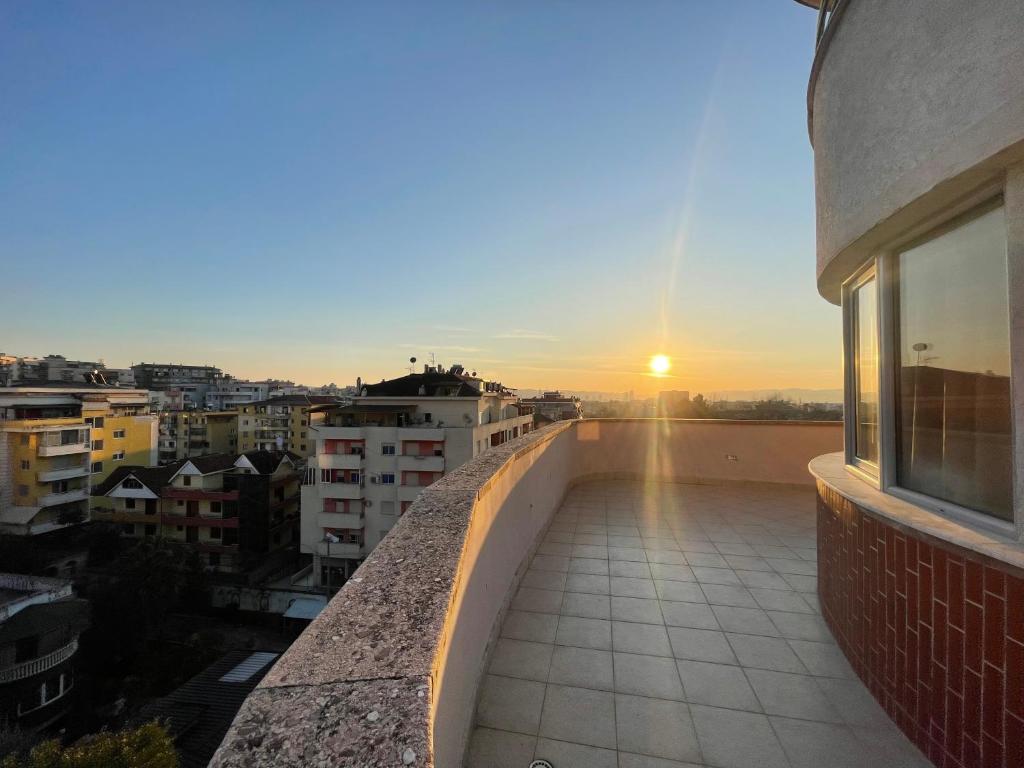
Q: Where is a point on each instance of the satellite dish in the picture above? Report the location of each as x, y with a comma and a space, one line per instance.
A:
412, 360
474, 373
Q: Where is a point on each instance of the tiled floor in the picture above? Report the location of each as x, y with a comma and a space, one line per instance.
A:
662, 626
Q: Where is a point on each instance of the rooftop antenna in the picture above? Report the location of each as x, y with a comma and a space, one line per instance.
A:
412, 364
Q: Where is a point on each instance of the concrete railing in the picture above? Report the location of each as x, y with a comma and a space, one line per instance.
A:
388, 673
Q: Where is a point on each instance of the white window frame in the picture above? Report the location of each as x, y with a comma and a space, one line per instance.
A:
384, 478
384, 449
883, 266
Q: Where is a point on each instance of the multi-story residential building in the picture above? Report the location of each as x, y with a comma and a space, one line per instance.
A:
554, 406
282, 423
189, 382
196, 433
57, 368
40, 621
229, 393
373, 457
240, 511
56, 441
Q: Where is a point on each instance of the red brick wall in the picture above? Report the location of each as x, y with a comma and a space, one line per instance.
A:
935, 632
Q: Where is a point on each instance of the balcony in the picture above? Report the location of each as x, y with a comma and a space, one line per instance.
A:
594, 593
64, 473
340, 520
338, 433
63, 449
37, 666
65, 497
341, 490
344, 550
341, 460
422, 432
421, 463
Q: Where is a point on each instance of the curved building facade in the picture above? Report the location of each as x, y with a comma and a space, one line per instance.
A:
916, 115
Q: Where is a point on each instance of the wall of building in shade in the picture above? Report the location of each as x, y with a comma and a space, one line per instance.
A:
935, 632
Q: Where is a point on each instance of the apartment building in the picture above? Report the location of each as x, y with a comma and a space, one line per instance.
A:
228, 393
40, 621
282, 423
374, 456
554, 406
189, 383
56, 441
239, 511
196, 433
57, 368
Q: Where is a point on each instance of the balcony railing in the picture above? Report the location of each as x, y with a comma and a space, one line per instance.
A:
63, 473
37, 666
409, 635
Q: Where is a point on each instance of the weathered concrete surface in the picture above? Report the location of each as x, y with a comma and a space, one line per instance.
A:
915, 104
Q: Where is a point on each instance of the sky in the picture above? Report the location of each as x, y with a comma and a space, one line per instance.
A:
547, 192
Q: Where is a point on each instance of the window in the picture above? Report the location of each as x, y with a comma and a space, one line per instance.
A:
130, 482
354, 477
387, 478
387, 449
97, 445
129, 503
863, 383
26, 464
953, 419
151, 530
215, 507
119, 434
118, 456
98, 422
428, 417
214, 559
186, 480
215, 533
97, 467
387, 507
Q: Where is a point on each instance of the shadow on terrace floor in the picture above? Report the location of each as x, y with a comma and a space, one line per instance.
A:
666, 625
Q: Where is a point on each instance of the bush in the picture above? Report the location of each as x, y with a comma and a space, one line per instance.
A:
148, 746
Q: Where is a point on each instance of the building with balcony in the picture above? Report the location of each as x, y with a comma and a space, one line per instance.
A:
239, 511
554, 406
40, 621
375, 456
57, 368
196, 433
187, 383
229, 393
56, 441
282, 423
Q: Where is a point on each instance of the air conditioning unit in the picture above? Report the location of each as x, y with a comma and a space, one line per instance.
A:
374, 479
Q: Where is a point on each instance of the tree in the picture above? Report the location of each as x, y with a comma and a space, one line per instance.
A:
148, 746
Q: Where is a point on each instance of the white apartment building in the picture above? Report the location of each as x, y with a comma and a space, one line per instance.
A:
375, 455
227, 393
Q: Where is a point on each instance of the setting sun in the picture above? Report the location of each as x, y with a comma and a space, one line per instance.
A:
660, 365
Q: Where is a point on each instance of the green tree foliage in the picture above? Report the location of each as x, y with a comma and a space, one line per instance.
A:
148, 746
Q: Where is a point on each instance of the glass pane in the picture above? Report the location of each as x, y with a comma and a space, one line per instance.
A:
865, 361
953, 429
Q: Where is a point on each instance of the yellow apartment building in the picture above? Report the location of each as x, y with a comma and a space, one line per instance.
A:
196, 433
282, 423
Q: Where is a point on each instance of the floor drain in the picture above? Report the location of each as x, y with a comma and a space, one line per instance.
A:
540, 764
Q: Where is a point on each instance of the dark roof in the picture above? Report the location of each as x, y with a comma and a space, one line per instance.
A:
296, 400
267, 462
433, 385
154, 478
214, 462
375, 408
45, 617
199, 712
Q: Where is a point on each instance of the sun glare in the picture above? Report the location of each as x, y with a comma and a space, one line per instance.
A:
660, 365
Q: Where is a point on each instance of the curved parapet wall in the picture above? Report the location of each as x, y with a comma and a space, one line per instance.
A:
931, 616
913, 106
388, 673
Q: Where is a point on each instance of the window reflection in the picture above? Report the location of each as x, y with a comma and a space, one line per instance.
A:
953, 423
865, 342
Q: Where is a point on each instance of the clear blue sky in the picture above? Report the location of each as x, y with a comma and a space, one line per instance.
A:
549, 192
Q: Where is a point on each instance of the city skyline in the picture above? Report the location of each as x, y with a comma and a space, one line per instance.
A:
550, 204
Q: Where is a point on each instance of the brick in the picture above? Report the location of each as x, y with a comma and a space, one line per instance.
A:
972, 753
995, 630
955, 660
991, 753
955, 593
954, 725
974, 581
939, 571
974, 633
1015, 678
995, 581
992, 703
1015, 608
1013, 740
925, 595
972, 705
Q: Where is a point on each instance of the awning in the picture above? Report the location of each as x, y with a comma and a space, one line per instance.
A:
305, 608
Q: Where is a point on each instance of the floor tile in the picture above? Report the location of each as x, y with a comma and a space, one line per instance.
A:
680, 591
544, 579
510, 704
733, 739
588, 565
801, 583
781, 693
655, 727
666, 557
538, 600
565, 755
823, 659
713, 560
489, 748
778, 600
554, 548
590, 550
520, 658
628, 587
735, 548
590, 538
587, 582
751, 621
579, 715
634, 554
582, 668
747, 563
700, 645
550, 563
717, 685
525, 625
668, 572
811, 745
715, 575
853, 702
630, 760
584, 633
647, 639
762, 580
801, 626
765, 653
641, 610
696, 615
798, 567
587, 606
629, 569
654, 676
721, 594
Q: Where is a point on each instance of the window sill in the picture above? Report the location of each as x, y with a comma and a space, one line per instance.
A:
831, 470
